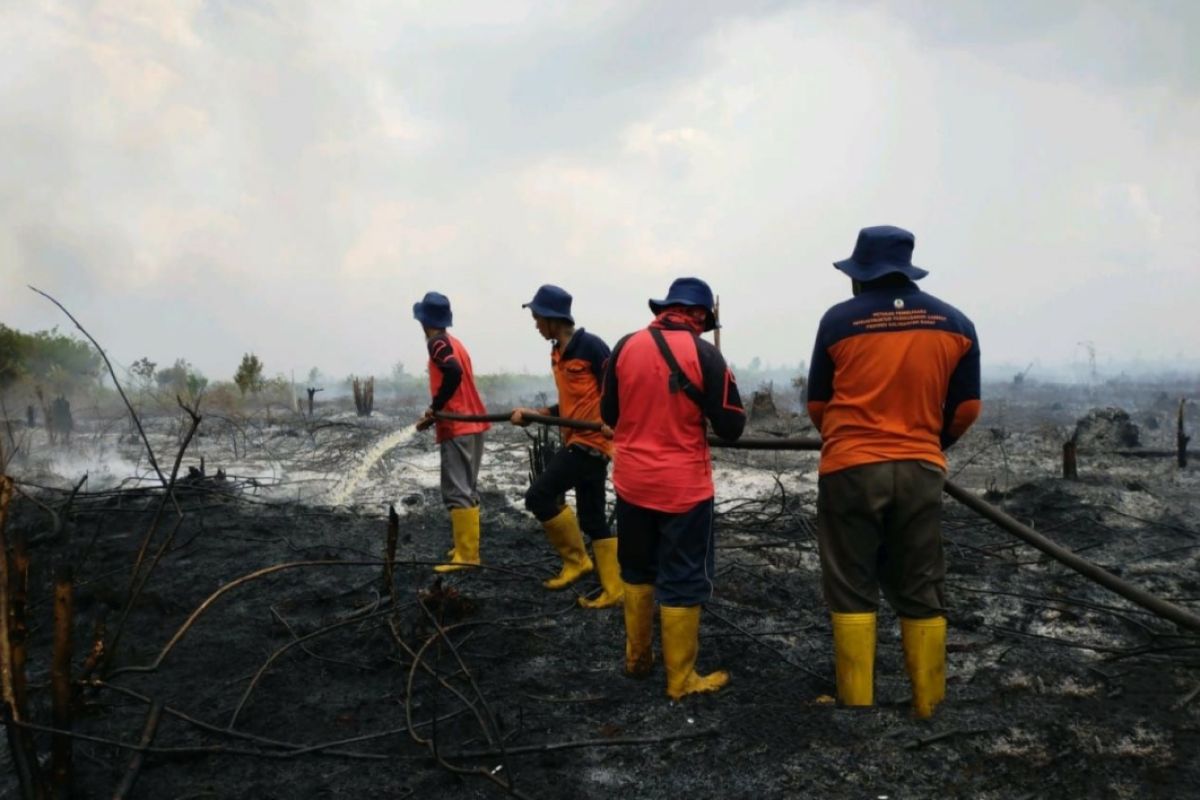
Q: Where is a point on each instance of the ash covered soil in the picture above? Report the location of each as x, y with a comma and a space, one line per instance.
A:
316, 681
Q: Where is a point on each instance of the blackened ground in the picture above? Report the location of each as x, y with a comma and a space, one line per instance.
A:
1056, 689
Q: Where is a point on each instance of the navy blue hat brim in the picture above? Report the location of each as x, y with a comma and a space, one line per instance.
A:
659, 306
548, 313
869, 272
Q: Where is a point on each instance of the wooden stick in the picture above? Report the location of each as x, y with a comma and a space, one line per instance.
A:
1070, 465
18, 632
95, 656
717, 317
18, 629
393, 533
60, 679
24, 759
1181, 438
8, 696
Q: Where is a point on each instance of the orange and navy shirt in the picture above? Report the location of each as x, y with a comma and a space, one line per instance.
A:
578, 374
662, 459
452, 384
894, 377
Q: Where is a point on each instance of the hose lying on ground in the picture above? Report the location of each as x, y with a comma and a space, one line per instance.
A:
1167, 610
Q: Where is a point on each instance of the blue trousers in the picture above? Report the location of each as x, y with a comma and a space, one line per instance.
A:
675, 552
581, 469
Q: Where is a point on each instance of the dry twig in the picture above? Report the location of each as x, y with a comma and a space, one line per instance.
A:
149, 731
112, 373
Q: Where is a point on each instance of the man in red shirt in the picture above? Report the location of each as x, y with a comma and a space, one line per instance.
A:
660, 386
894, 381
452, 385
577, 359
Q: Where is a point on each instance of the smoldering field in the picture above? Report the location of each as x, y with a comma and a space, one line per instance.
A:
321, 679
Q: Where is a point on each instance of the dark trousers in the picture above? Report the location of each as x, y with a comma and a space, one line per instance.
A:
880, 526
577, 468
675, 552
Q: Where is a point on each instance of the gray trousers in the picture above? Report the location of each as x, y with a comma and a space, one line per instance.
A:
461, 457
880, 526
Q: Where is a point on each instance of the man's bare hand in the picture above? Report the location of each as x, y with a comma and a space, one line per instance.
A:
518, 416
426, 421
606, 431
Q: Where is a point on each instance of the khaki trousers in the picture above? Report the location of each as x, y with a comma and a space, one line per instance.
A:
879, 526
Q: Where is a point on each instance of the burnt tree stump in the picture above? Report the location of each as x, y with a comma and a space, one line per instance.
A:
364, 396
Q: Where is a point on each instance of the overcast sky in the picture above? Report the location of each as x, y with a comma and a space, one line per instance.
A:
203, 179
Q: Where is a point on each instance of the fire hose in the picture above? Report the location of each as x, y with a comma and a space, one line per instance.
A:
1094, 572
745, 443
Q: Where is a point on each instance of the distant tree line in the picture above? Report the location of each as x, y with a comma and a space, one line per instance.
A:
46, 357
181, 378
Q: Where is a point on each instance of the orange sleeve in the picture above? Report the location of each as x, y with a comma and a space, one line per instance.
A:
964, 417
816, 412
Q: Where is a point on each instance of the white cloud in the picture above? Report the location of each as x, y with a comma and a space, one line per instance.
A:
290, 177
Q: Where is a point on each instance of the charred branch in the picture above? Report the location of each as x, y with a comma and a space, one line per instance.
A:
60, 680
149, 731
389, 555
1181, 437
364, 396
1070, 469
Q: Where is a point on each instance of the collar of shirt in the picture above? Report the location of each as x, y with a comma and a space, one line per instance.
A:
676, 321
575, 337
903, 289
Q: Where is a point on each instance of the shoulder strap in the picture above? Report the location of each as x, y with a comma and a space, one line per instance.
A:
677, 381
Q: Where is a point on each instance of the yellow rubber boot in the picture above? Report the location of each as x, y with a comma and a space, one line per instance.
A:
563, 532
925, 657
854, 657
680, 646
639, 629
465, 524
613, 587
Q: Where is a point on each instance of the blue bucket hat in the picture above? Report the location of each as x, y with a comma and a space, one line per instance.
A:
880, 251
433, 311
551, 302
688, 292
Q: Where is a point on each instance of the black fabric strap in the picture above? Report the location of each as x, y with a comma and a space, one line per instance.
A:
678, 381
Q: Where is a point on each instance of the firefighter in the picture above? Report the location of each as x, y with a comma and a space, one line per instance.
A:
452, 385
894, 381
660, 386
577, 359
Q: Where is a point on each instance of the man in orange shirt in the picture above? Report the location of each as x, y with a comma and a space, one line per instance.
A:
577, 358
452, 386
894, 381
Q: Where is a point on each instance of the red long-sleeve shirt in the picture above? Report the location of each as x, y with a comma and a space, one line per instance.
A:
662, 461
